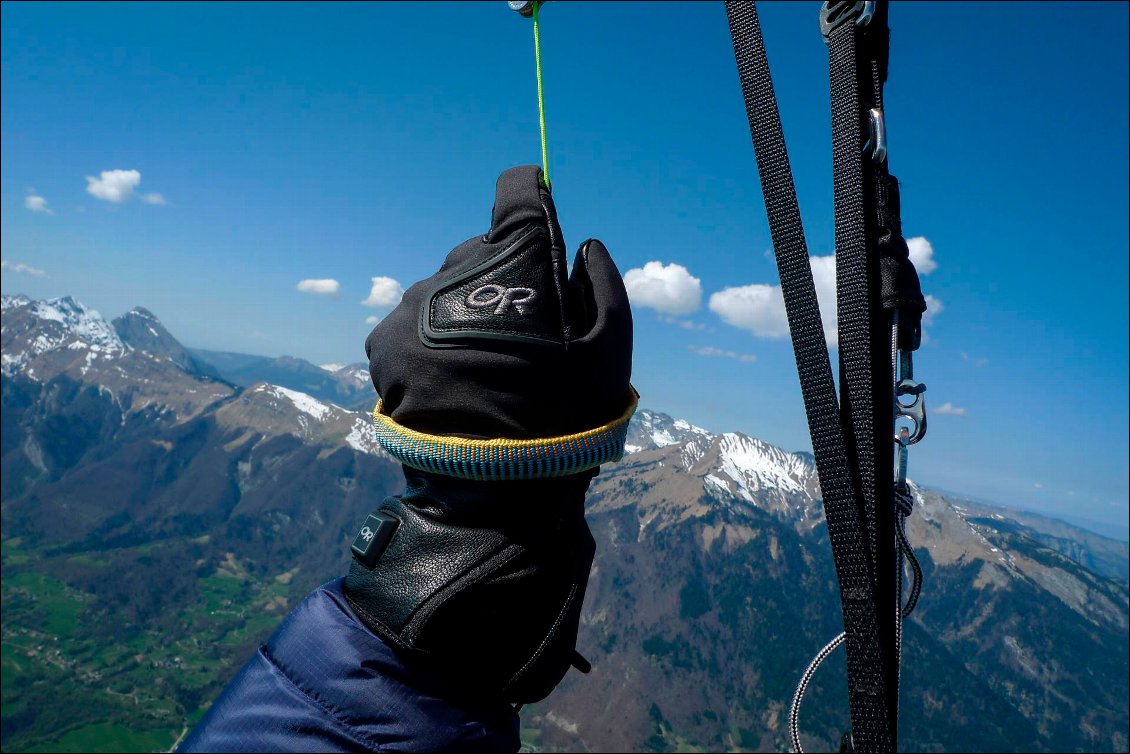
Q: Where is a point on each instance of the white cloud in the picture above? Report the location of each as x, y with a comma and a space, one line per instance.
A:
385, 293
949, 408
1037, 485
114, 186
372, 319
761, 308
37, 204
686, 324
922, 254
21, 267
119, 186
757, 308
749, 358
321, 286
669, 289
934, 307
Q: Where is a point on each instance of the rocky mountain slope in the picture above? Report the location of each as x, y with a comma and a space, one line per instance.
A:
714, 586
150, 506
141, 331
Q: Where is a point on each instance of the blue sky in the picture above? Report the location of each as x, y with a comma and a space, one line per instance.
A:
274, 144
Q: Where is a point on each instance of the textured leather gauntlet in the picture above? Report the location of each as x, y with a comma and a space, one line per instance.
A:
504, 384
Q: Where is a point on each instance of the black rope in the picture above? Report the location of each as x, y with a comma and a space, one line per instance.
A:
904, 506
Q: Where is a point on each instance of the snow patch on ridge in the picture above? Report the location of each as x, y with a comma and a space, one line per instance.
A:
358, 374
686, 426
362, 438
305, 403
361, 376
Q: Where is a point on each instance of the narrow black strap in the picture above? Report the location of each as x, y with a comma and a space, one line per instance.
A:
872, 723
857, 63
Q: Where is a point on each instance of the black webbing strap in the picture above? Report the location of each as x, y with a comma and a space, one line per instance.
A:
873, 726
857, 62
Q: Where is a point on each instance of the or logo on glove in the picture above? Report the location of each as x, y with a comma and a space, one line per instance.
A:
490, 294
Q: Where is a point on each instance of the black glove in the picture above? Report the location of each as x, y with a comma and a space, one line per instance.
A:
504, 384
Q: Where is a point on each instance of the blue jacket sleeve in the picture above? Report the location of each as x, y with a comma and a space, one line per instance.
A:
323, 682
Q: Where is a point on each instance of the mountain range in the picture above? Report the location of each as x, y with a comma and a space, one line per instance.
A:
346, 385
162, 508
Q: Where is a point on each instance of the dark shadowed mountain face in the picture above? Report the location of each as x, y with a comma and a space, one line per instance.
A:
159, 521
140, 330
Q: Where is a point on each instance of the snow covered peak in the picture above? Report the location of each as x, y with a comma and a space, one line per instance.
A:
732, 466
10, 302
737, 467
755, 466
32, 328
650, 430
84, 324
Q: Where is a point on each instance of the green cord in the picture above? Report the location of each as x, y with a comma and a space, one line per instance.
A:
541, 99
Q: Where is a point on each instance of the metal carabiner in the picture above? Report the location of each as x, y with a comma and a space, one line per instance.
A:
524, 8
833, 13
866, 13
902, 438
876, 144
915, 411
